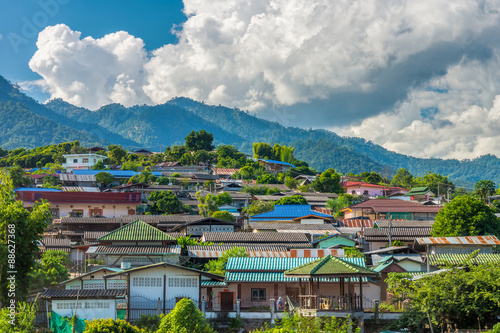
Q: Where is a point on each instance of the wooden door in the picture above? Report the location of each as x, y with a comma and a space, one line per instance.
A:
226, 301
95, 211
293, 293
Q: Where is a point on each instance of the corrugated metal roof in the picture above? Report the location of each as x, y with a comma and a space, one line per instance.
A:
288, 212
395, 206
480, 258
248, 247
329, 265
357, 223
291, 226
54, 248
316, 253
59, 242
252, 237
68, 177
114, 173
275, 264
79, 189
405, 224
225, 171
137, 231
94, 235
465, 240
131, 249
252, 254
207, 283
310, 232
272, 277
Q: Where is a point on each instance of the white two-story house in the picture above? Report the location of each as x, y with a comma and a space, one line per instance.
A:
81, 161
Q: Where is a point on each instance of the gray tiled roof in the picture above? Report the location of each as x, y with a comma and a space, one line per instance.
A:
93, 235
84, 293
403, 234
248, 247
56, 242
405, 224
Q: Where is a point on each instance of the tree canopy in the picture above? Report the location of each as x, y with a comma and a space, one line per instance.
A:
219, 266
199, 140
292, 200
165, 202
328, 182
465, 216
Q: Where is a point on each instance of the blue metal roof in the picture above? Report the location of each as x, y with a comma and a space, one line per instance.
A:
114, 173
278, 162
36, 189
288, 212
263, 264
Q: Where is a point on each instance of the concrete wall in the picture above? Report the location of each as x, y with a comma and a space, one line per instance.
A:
109, 210
88, 309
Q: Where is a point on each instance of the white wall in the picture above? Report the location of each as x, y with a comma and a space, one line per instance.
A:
371, 292
107, 211
312, 221
88, 309
179, 283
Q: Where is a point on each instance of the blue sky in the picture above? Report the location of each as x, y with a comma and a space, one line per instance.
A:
420, 77
150, 20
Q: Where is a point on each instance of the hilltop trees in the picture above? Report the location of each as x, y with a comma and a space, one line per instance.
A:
402, 178
116, 154
484, 188
465, 216
328, 182
199, 140
277, 152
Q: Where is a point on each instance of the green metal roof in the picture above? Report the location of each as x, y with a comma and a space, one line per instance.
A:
271, 277
137, 231
209, 283
417, 191
276, 264
329, 265
480, 258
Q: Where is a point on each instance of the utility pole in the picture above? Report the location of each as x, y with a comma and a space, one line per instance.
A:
390, 230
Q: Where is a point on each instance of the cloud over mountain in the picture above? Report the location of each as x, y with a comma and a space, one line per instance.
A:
372, 68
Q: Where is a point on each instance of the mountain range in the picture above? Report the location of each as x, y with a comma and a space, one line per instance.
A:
26, 123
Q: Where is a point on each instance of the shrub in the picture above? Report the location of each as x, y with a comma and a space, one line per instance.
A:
110, 326
184, 318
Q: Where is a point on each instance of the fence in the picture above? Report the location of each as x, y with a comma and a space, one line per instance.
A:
140, 305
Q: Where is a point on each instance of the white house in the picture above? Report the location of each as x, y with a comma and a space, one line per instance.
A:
81, 161
161, 286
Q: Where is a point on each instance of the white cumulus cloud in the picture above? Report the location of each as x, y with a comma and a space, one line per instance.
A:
91, 72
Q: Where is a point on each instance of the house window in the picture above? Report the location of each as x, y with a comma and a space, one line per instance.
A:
146, 282
85, 160
117, 284
258, 295
75, 160
66, 306
180, 282
365, 192
77, 213
96, 305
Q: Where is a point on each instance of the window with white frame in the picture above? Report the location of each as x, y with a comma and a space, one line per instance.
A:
96, 305
117, 284
183, 282
96, 285
146, 282
67, 306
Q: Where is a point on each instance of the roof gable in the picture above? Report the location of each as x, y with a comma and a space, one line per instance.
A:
137, 231
329, 265
276, 264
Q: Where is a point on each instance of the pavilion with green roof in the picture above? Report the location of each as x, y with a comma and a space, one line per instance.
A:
136, 244
331, 267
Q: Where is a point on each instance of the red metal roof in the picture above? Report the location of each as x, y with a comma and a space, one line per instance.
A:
395, 205
465, 240
348, 183
225, 171
356, 223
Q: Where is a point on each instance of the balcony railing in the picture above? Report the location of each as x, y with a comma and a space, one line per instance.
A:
331, 303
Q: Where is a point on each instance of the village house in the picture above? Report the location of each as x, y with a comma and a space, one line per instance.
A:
135, 244
209, 224
380, 209
420, 194
293, 214
81, 161
160, 286
83, 204
457, 245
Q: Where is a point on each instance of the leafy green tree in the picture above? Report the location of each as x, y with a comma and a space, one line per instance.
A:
262, 150
207, 204
185, 318
255, 190
292, 200
267, 179
402, 178
223, 199
373, 178
51, 270
459, 297
18, 177
335, 205
202, 156
352, 252
259, 207
291, 183
437, 183
307, 188
247, 172
465, 216
149, 323
146, 176
165, 202
219, 266
24, 318
223, 215
116, 154
209, 185
328, 182
99, 166
104, 178
110, 326
163, 180
176, 175
174, 153
22, 228
485, 188
199, 140
186, 159
298, 323
185, 182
